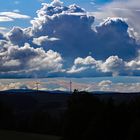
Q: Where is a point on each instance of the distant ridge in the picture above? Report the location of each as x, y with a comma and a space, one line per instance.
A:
59, 91
26, 99
31, 91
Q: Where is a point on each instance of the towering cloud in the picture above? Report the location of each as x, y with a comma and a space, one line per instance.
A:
113, 38
73, 26
129, 9
63, 42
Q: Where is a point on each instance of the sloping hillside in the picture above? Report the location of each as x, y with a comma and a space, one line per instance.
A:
12, 135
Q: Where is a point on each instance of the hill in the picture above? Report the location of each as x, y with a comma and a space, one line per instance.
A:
8, 135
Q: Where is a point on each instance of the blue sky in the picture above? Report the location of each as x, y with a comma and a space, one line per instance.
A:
61, 39
29, 7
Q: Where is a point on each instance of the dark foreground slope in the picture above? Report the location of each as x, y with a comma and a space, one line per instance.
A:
81, 115
13, 135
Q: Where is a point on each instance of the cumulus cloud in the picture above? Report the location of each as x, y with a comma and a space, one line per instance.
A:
60, 40
18, 36
57, 3
112, 66
73, 26
85, 66
26, 60
64, 23
126, 9
113, 38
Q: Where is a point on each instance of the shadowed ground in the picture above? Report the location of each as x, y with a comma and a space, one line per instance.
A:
12, 135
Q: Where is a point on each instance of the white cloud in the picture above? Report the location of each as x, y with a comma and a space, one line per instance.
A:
43, 39
129, 9
17, 36
14, 15
105, 83
11, 63
26, 59
73, 26
87, 61
57, 3
4, 30
112, 66
115, 87
5, 19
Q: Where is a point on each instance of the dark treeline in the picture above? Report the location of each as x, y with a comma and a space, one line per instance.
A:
89, 117
84, 117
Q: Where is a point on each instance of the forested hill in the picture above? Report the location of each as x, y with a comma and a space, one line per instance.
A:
80, 115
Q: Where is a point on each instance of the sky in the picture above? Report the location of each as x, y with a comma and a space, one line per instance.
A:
73, 39
29, 8
119, 84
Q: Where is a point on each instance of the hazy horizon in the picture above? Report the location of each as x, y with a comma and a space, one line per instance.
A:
115, 84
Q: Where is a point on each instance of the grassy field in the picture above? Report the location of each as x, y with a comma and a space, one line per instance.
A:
12, 135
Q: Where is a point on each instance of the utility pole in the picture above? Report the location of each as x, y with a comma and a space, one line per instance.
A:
70, 86
8, 86
37, 86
